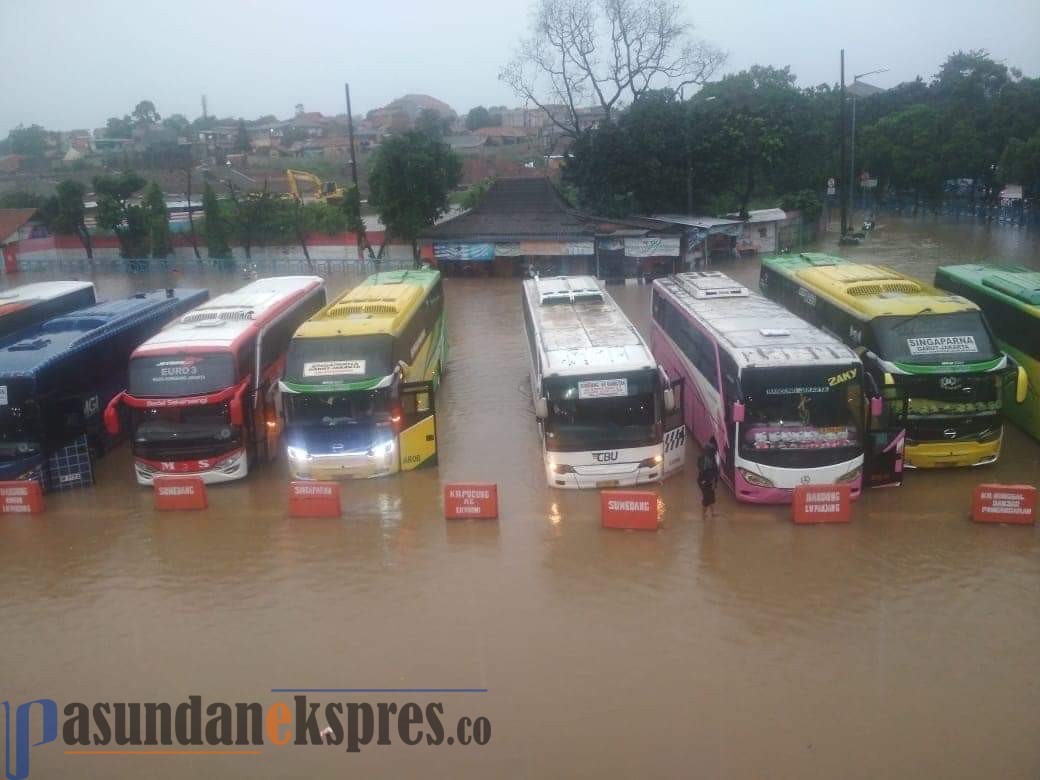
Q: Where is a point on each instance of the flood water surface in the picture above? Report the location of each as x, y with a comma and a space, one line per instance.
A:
903, 644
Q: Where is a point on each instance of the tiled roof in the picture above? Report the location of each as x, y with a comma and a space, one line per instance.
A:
515, 209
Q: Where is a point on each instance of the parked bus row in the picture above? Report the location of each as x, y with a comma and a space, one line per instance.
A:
845, 373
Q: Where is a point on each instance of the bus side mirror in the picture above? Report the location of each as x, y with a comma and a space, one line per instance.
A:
541, 408
1022, 386
738, 412
112, 415
235, 407
669, 400
876, 406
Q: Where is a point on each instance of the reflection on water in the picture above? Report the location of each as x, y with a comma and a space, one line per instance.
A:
903, 643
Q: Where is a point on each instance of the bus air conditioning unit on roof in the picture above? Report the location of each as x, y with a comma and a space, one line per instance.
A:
211, 317
712, 284
562, 289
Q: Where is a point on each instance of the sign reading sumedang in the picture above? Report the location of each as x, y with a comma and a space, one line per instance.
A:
197, 727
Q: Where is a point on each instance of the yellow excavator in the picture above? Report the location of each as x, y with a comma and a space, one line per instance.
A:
323, 190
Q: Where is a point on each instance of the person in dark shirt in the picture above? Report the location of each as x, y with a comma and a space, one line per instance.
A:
708, 477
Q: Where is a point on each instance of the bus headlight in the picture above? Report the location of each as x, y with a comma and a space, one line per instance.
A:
651, 463
755, 479
562, 468
384, 449
297, 453
850, 476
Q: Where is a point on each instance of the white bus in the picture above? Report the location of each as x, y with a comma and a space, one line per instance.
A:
608, 415
787, 403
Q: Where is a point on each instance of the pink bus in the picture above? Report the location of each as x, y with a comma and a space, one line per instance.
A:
787, 403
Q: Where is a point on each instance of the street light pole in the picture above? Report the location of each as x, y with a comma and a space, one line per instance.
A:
844, 143
852, 153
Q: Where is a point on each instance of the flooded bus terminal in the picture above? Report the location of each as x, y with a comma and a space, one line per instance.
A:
904, 642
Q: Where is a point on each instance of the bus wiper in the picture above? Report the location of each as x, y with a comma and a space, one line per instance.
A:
925, 310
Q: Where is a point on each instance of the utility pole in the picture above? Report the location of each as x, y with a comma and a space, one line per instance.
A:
350, 132
842, 167
362, 237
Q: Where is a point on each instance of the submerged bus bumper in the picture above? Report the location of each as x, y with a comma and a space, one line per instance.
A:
225, 468
594, 476
942, 455
754, 483
347, 465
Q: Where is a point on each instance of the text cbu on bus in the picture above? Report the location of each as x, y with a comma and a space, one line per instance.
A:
608, 415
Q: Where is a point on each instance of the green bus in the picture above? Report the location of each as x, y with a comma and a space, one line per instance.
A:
1009, 296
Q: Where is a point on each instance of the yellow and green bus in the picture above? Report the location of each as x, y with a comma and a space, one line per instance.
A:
930, 352
1009, 296
360, 377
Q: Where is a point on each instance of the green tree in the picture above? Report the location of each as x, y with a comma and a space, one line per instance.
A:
409, 182
145, 114
119, 128
215, 226
252, 216
1020, 164
158, 218
480, 117
64, 213
115, 212
178, 123
29, 141
904, 149
432, 124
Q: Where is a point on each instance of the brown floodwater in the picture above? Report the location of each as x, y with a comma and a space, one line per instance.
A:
904, 644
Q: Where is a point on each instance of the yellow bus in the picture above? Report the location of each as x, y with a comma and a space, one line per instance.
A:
360, 378
931, 351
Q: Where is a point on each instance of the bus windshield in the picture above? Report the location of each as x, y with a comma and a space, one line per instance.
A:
934, 339
338, 359
587, 413
176, 376
184, 432
802, 416
328, 410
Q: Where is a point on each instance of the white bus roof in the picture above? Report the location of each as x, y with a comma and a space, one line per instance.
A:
41, 291
580, 330
221, 321
753, 329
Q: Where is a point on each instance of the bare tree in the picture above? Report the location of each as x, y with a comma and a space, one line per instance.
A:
605, 53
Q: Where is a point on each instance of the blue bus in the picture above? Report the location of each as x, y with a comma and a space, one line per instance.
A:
57, 376
29, 304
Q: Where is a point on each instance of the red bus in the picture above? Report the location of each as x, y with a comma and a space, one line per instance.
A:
203, 396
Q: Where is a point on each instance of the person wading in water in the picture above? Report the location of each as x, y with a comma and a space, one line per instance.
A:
708, 477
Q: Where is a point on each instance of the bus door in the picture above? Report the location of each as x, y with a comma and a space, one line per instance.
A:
418, 437
885, 437
674, 433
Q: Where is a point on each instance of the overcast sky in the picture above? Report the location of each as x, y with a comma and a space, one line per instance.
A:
69, 64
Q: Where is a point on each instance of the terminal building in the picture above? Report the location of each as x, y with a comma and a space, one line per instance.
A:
523, 225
